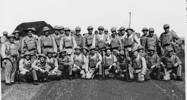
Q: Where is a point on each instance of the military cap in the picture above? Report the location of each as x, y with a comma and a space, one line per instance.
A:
77, 48
31, 29
16, 31
5, 33
151, 48
45, 29
77, 28
121, 28
11, 36
90, 28
144, 29
66, 29
100, 28
57, 28
129, 29
42, 55
166, 26
113, 29
151, 29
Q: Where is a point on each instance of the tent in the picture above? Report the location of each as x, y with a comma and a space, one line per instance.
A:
38, 25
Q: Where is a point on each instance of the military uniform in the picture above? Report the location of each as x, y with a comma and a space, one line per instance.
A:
78, 37
167, 38
101, 38
65, 64
42, 68
172, 66
79, 64
94, 64
25, 68
47, 43
29, 43
144, 36
89, 38
57, 36
153, 64
67, 42
9, 53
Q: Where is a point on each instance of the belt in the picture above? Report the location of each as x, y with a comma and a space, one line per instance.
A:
68, 47
48, 46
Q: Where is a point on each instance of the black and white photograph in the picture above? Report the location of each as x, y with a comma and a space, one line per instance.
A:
93, 49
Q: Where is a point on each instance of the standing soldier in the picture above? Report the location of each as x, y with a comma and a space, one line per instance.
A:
57, 36
65, 64
152, 40
109, 63
144, 36
29, 42
167, 38
4, 37
89, 38
42, 68
18, 39
153, 64
100, 38
122, 32
78, 37
67, 42
9, 52
94, 64
46, 42
172, 66
107, 35
26, 70
115, 43
139, 66
79, 63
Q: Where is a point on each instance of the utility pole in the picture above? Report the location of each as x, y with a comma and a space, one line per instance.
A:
129, 19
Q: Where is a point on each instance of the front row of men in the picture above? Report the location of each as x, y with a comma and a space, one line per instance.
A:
89, 65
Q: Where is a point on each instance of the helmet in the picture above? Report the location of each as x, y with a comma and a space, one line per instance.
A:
57, 28
31, 29
105, 30
122, 28
89, 28
100, 28
5, 32
45, 29
166, 26
16, 31
66, 29
113, 29
77, 28
151, 29
129, 29
144, 29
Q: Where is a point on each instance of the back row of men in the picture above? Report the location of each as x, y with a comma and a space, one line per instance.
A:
122, 53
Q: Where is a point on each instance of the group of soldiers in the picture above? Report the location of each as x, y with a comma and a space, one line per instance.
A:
64, 53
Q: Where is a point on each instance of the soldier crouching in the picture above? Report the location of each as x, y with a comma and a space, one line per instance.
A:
139, 67
171, 65
26, 72
65, 64
79, 64
42, 68
94, 64
109, 64
54, 73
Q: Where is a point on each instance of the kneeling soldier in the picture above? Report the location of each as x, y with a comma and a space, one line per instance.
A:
53, 63
153, 64
172, 66
65, 64
26, 70
94, 63
109, 63
41, 67
139, 66
79, 63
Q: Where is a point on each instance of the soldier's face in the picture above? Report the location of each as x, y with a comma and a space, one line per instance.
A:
106, 32
78, 32
49, 55
92, 52
11, 39
30, 33
90, 31
57, 32
27, 57
17, 35
135, 53
100, 31
108, 52
42, 59
145, 32
151, 33
62, 31
77, 51
123, 32
85, 51
67, 32
46, 33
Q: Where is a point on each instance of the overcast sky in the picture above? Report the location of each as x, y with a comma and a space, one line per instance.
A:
72, 13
